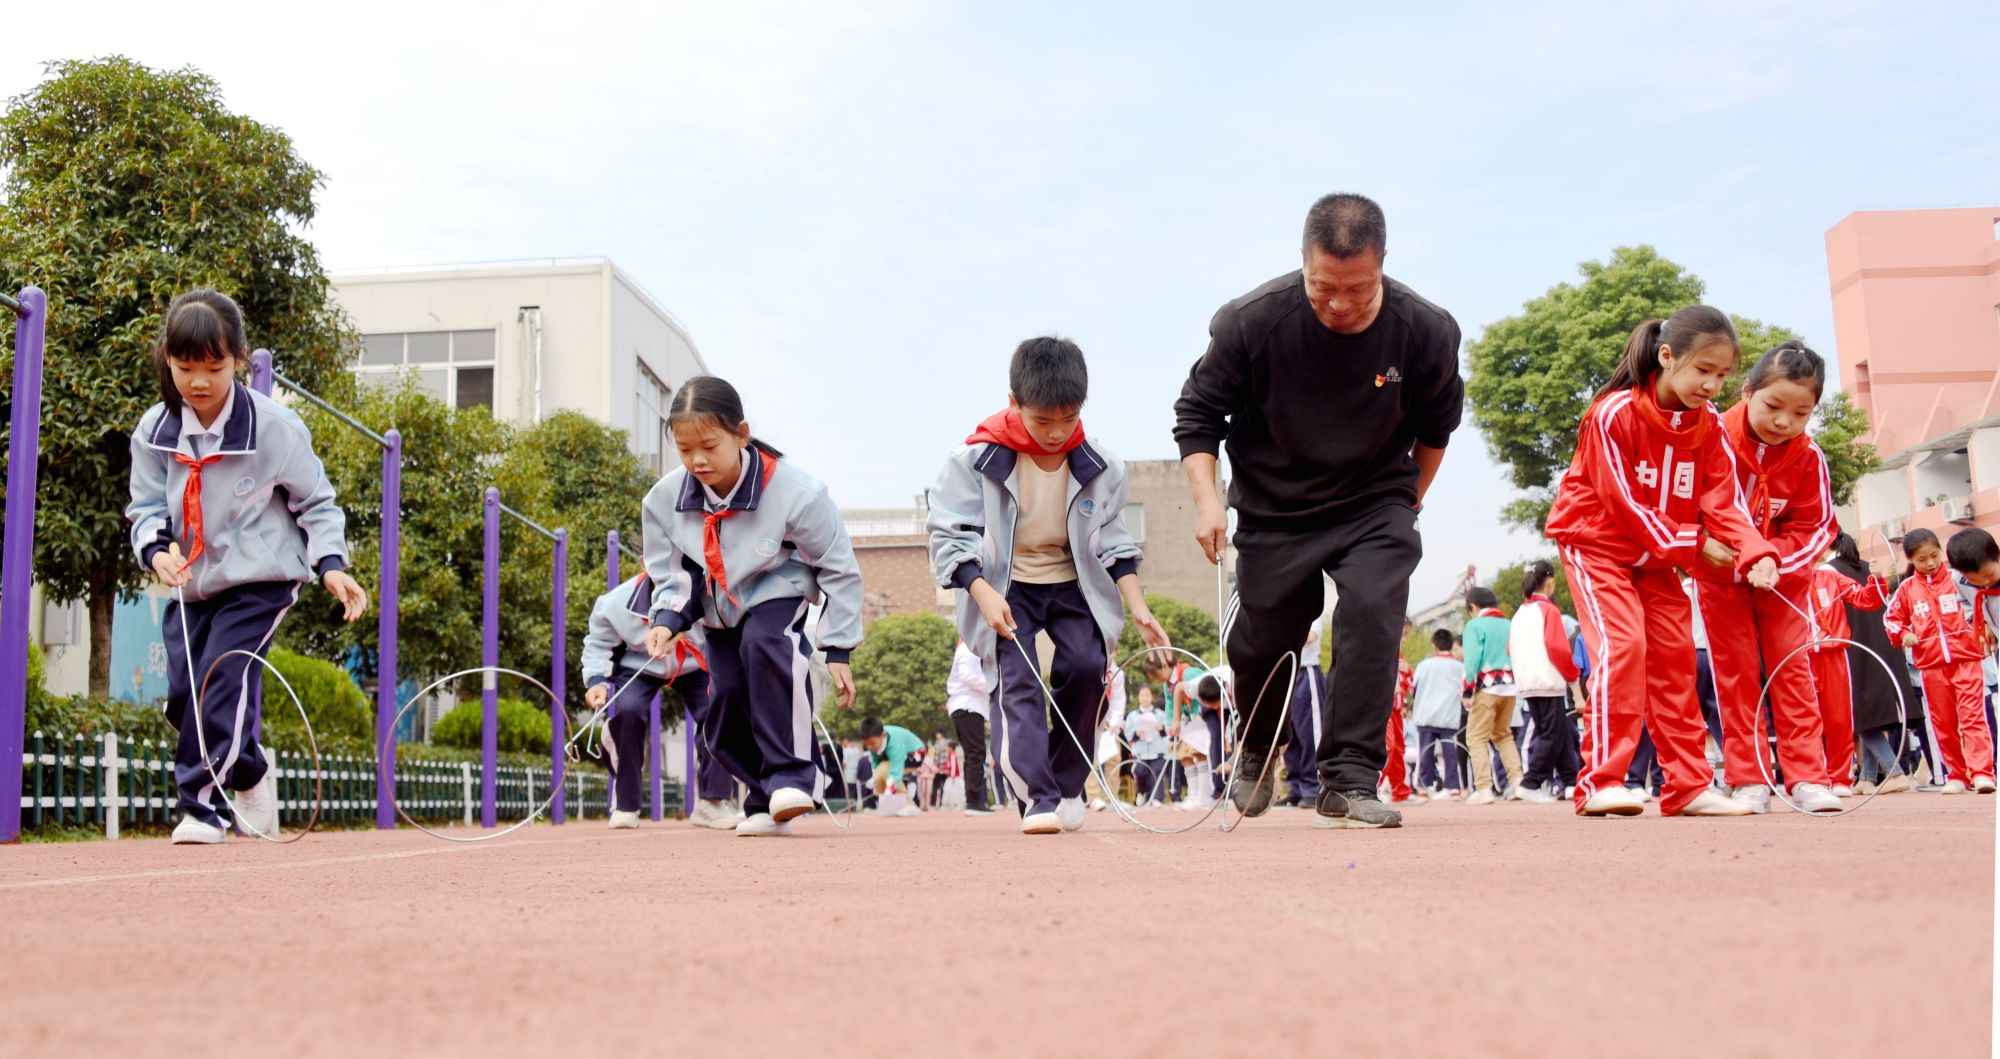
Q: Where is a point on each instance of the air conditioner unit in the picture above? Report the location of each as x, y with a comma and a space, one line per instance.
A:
1958, 509
1892, 529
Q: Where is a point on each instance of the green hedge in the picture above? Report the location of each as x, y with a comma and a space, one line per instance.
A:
523, 728
339, 710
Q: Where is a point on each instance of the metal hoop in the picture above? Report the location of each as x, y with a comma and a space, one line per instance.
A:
201, 736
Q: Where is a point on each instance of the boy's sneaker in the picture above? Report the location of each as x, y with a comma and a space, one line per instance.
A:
1712, 802
1814, 798
1894, 784
1252, 784
1481, 797
1755, 795
1613, 801
1952, 787
789, 802
909, 809
1356, 808
192, 832
1098, 805
1842, 790
1862, 788
714, 815
758, 825
1983, 784
1535, 796
1041, 824
257, 808
622, 820
1069, 814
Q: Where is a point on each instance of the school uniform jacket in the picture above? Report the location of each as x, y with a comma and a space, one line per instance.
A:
1636, 497
1539, 648
973, 507
268, 511
618, 624
1789, 497
1948, 630
785, 540
1832, 593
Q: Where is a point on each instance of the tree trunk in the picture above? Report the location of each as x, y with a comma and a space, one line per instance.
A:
103, 603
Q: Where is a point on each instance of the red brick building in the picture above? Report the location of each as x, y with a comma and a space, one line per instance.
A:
893, 551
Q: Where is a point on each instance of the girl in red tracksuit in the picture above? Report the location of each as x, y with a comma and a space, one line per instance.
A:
1948, 638
1831, 594
1652, 487
1783, 477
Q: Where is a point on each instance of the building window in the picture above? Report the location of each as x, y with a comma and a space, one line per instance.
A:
456, 367
650, 400
1135, 521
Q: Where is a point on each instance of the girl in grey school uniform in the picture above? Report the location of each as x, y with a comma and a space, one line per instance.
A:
742, 542
230, 506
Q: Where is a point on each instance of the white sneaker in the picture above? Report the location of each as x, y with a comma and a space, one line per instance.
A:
1481, 797
1983, 784
1894, 784
757, 825
1534, 796
1098, 805
908, 810
621, 820
789, 802
1645, 794
715, 815
1842, 790
1755, 795
979, 812
1613, 801
192, 832
1953, 787
1814, 798
1712, 802
1513, 794
1069, 813
1041, 824
257, 808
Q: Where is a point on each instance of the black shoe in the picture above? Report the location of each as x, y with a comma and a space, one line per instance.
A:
1356, 808
1251, 768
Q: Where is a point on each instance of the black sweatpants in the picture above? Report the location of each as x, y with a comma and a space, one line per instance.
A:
1554, 752
971, 729
1369, 556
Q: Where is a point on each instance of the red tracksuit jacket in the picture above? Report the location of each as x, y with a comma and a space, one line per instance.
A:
1787, 493
1932, 608
1832, 593
1647, 485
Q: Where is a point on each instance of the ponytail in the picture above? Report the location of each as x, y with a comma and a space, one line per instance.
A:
1684, 332
712, 399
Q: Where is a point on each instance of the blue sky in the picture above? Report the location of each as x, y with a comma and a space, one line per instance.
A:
859, 209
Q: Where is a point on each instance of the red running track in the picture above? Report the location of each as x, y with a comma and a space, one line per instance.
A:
1508, 930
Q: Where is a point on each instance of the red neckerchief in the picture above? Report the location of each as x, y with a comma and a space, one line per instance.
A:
1490, 612
1692, 436
1777, 458
684, 650
191, 505
711, 534
1005, 428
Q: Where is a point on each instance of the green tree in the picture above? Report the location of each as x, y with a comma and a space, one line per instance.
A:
1533, 375
899, 675
1190, 628
125, 186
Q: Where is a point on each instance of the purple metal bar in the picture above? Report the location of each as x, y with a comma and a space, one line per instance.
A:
611, 577
260, 371
654, 754
489, 655
559, 712
17, 567
687, 778
388, 600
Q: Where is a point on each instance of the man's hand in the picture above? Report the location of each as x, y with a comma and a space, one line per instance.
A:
660, 641
1716, 553
353, 600
170, 568
597, 696
843, 683
993, 608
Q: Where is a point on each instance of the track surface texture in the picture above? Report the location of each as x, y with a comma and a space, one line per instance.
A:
1507, 930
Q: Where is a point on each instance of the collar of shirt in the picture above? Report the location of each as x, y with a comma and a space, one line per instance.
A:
717, 503
191, 427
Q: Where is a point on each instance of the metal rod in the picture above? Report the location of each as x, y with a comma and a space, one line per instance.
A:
489, 657
330, 410
558, 665
387, 600
530, 523
10, 302
17, 567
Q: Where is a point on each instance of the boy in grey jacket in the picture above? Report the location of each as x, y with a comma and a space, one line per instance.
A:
615, 663
1027, 521
743, 543
232, 474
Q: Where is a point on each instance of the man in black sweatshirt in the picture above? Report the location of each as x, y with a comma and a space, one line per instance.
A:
1336, 390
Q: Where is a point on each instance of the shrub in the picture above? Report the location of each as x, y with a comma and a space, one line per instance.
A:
335, 703
523, 728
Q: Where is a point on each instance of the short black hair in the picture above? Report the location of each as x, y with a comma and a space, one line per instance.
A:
1209, 690
1346, 225
1481, 596
1971, 548
1441, 639
1048, 372
871, 727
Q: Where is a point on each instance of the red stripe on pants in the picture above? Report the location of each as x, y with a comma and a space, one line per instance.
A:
1956, 693
1749, 630
1835, 688
1638, 627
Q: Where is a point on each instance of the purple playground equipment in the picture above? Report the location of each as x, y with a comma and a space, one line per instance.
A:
31, 316
490, 657
655, 753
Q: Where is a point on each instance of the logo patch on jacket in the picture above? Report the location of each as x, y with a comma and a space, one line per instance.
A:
1088, 507
766, 547
243, 487
1392, 375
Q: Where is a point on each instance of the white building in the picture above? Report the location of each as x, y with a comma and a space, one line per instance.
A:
526, 339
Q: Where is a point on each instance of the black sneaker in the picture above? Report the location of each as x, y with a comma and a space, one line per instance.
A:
1251, 767
1356, 808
